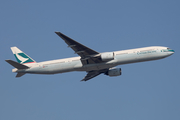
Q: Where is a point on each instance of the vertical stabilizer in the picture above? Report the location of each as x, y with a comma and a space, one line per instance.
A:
21, 57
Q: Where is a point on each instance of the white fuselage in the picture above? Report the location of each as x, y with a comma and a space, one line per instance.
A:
120, 57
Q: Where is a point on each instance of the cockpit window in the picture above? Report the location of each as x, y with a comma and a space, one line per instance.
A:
168, 48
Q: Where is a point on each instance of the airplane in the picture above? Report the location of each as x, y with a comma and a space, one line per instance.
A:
89, 60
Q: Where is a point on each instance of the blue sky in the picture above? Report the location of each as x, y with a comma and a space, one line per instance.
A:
148, 90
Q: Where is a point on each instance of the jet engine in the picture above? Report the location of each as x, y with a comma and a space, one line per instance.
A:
107, 56
113, 72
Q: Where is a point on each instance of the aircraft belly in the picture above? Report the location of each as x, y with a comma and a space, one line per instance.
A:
100, 66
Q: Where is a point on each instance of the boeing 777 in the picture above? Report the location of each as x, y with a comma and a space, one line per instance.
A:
91, 61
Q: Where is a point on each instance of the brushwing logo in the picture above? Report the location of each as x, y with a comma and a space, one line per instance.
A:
20, 58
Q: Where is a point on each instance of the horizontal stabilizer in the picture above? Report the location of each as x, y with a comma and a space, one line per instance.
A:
20, 74
16, 64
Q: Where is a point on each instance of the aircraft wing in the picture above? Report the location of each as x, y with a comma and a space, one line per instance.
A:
92, 74
88, 56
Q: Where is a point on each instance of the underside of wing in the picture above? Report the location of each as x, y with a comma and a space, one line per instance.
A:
88, 56
92, 74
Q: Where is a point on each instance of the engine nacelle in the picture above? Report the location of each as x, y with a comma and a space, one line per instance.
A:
107, 56
113, 72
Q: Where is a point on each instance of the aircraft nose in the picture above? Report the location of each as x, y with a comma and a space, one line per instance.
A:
171, 51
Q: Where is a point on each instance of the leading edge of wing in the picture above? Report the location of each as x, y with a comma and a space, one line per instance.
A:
80, 49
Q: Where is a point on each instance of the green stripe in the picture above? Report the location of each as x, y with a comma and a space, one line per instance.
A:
168, 50
171, 50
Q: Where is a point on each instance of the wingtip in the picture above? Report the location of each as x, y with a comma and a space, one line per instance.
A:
83, 80
57, 32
